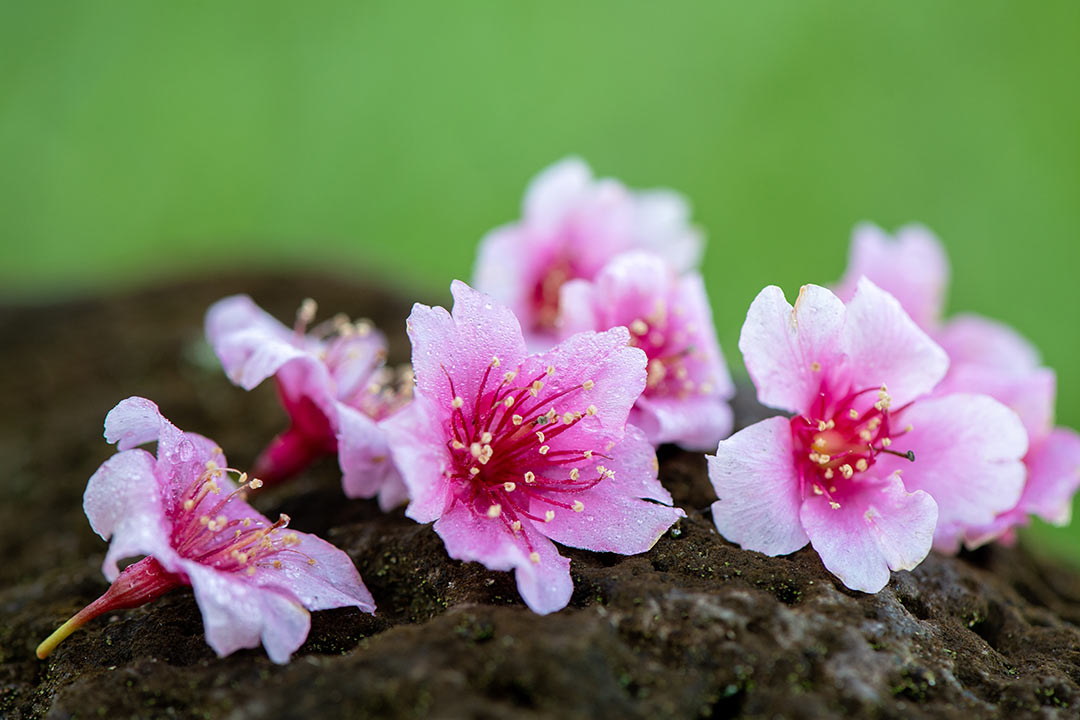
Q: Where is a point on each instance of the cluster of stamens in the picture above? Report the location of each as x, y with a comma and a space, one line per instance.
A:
204, 533
508, 427
668, 348
840, 448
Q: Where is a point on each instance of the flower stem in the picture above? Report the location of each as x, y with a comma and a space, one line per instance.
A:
137, 585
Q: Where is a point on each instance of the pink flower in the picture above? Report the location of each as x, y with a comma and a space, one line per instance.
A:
252, 578
571, 226
687, 383
332, 383
869, 465
508, 451
985, 357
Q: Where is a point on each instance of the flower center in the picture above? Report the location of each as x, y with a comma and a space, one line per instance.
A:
834, 448
510, 461
667, 345
546, 292
204, 532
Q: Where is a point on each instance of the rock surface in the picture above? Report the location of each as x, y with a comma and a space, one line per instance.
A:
694, 628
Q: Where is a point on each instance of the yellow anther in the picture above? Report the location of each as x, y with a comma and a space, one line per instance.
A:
494, 511
866, 435
550, 370
457, 402
485, 438
544, 449
517, 419
814, 457
591, 410
587, 453
588, 384
458, 445
549, 516
639, 327
474, 471
575, 473
567, 418
818, 490
495, 361
516, 526
250, 570
821, 426
815, 366
510, 375
277, 564
846, 471
853, 413
578, 506
535, 557
824, 459
509, 486
189, 504
534, 390
530, 477
861, 464
834, 505
828, 473
474, 449
886, 442
820, 442
509, 401
540, 435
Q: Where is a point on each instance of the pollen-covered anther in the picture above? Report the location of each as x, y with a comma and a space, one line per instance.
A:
818, 490
567, 418
846, 471
534, 557
834, 505
540, 435
486, 438
853, 413
815, 366
530, 477
588, 385
549, 516
824, 459
814, 457
861, 464
495, 362
828, 473
475, 449
575, 473
591, 410
509, 376
509, 486
886, 442
587, 453
255, 483
516, 526
517, 419
189, 504
474, 471
656, 373
820, 442
550, 370
485, 454
535, 388
457, 402
494, 511
544, 449
509, 401
639, 327
577, 506
458, 445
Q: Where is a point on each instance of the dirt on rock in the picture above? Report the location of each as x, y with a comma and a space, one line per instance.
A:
696, 628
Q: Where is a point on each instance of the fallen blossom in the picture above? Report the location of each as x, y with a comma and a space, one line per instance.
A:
687, 384
331, 381
869, 464
572, 224
985, 357
508, 451
254, 580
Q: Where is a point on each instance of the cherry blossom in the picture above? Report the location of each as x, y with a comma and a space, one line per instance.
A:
254, 580
508, 451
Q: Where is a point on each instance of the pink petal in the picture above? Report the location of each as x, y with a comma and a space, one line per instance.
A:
912, 267
1053, 476
417, 439
614, 518
331, 582
367, 465
790, 351
545, 586
968, 451
662, 222
553, 193
123, 503
1029, 393
238, 614
462, 344
878, 527
754, 475
981, 341
580, 310
886, 347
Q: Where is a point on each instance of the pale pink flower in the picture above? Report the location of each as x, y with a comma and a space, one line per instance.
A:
869, 464
572, 224
332, 382
254, 580
687, 384
985, 357
507, 451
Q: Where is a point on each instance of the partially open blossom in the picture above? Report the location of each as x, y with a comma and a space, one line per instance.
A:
572, 224
868, 464
254, 580
332, 382
687, 384
985, 357
508, 451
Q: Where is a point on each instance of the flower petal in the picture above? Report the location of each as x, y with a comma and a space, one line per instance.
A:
981, 341
697, 423
912, 267
238, 614
790, 351
1029, 393
417, 439
367, 465
662, 222
968, 451
1053, 476
462, 344
545, 586
885, 346
878, 527
754, 475
317, 574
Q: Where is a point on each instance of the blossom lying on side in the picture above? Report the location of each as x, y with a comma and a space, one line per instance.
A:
687, 384
252, 578
571, 226
332, 383
508, 451
868, 466
985, 357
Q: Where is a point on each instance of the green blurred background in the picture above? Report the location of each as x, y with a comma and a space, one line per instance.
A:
140, 140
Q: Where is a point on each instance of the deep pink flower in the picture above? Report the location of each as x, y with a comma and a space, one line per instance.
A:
572, 224
508, 451
331, 381
252, 578
868, 465
687, 383
984, 357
